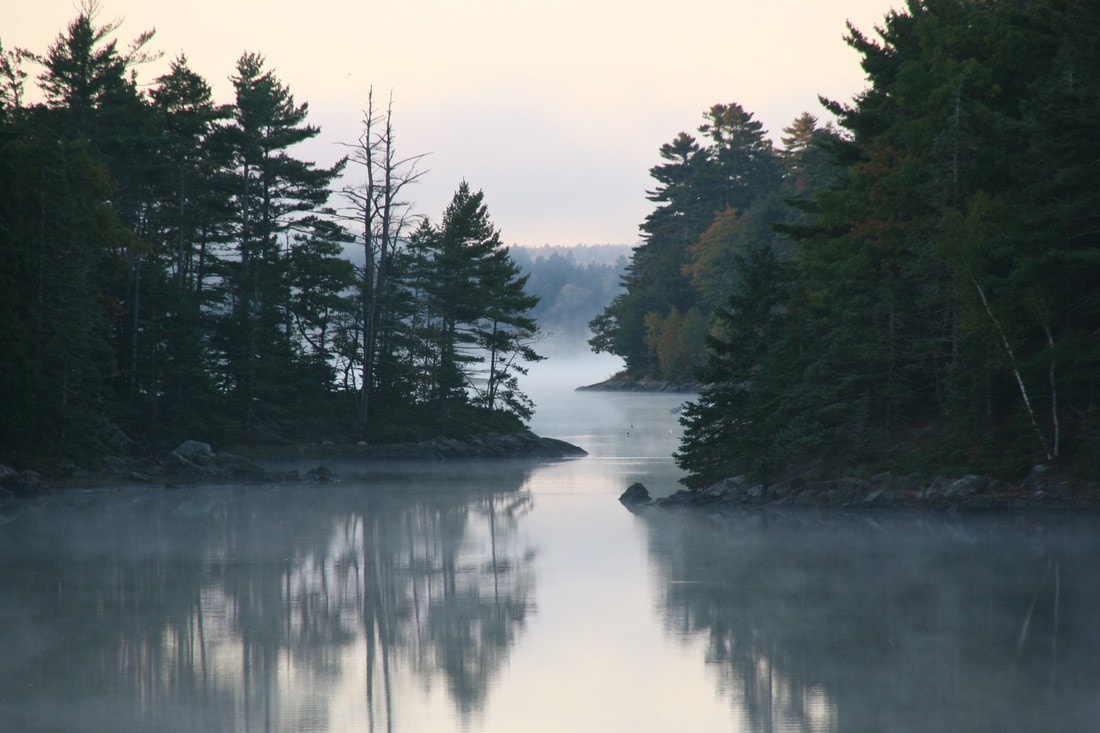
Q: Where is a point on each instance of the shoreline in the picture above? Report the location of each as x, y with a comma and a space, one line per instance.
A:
194, 463
622, 383
1043, 488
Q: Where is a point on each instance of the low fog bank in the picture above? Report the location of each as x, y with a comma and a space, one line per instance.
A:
569, 364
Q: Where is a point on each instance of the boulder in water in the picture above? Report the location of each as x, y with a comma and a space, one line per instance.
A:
635, 498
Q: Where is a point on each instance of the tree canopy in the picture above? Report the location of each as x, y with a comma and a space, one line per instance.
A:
937, 305
170, 268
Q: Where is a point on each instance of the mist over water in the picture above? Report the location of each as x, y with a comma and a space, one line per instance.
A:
507, 596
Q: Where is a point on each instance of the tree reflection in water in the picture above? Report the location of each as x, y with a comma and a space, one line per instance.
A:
431, 597
242, 609
834, 621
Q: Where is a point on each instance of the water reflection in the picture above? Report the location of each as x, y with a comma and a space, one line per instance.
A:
246, 609
900, 622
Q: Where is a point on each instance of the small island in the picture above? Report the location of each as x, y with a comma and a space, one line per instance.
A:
241, 297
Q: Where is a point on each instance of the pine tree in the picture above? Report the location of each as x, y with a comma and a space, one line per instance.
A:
697, 184
272, 194
480, 307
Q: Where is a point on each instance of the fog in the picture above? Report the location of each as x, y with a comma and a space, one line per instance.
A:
519, 595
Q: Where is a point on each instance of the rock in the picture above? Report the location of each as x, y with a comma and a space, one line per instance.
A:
909, 482
1045, 481
238, 467
934, 490
786, 488
966, 486
883, 480
683, 497
320, 475
716, 492
552, 447
635, 498
189, 450
873, 497
524, 444
22, 482
69, 468
119, 466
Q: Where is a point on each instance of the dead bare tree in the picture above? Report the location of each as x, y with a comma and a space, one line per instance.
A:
375, 203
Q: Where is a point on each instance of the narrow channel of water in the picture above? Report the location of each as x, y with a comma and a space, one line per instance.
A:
523, 597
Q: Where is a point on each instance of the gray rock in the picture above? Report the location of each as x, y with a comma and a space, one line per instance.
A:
683, 497
1044, 481
787, 487
22, 482
636, 493
238, 467
966, 486
884, 480
934, 490
635, 498
320, 474
189, 450
719, 490
908, 482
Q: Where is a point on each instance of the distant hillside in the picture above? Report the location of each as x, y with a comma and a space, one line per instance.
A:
583, 254
574, 284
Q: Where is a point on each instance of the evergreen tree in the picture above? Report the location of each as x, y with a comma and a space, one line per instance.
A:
90, 85
189, 223
723, 435
696, 184
941, 312
505, 332
477, 309
272, 194
58, 246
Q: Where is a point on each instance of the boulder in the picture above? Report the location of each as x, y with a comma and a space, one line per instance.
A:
189, 450
683, 497
22, 482
635, 498
966, 486
726, 489
1044, 481
320, 475
238, 467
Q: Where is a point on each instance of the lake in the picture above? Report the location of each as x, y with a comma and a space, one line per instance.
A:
515, 596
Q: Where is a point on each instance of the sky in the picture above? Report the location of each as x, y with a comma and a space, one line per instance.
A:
555, 109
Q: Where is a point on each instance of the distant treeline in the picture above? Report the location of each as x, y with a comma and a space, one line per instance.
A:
916, 289
573, 284
169, 269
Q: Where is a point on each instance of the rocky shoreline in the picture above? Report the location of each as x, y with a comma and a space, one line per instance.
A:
196, 463
620, 383
1042, 488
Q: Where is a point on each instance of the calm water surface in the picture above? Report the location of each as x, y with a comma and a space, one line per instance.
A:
521, 597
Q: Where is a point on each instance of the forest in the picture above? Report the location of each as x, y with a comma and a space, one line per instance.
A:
915, 288
573, 285
170, 270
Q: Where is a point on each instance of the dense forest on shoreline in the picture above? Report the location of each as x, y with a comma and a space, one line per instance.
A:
170, 270
917, 289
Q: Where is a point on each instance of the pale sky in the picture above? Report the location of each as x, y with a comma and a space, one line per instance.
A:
555, 109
